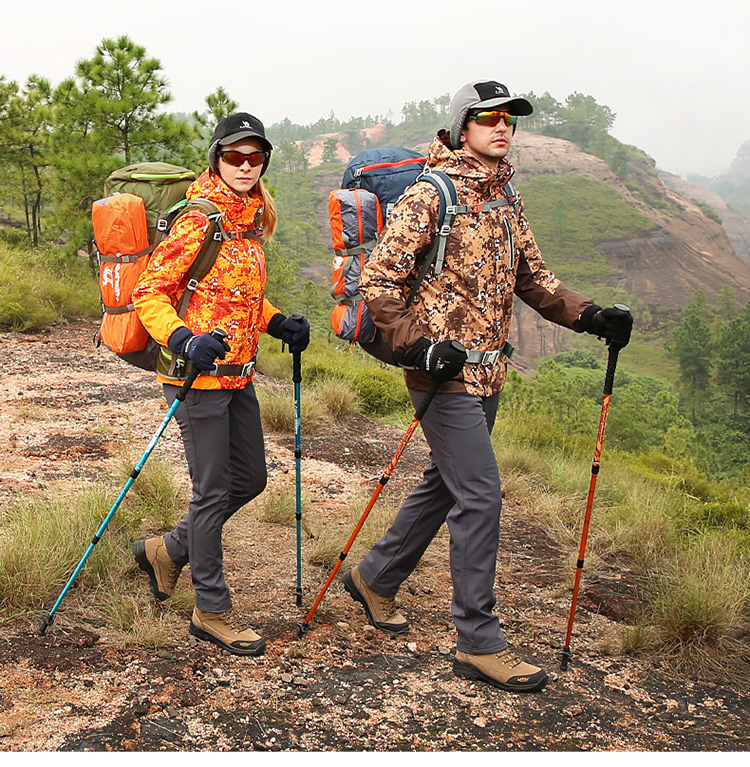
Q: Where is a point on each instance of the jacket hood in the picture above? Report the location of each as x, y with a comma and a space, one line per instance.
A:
238, 211
460, 163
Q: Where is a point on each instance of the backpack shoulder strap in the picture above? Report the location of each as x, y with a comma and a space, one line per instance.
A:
209, 249
511, 196
446, 214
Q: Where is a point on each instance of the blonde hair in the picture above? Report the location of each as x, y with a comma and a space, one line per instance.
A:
269, 217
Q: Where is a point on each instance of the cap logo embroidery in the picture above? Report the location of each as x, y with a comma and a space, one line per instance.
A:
245, 124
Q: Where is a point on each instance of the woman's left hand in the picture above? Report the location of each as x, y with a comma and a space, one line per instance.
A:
295, 333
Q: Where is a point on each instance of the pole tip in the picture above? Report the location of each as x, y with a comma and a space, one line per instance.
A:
565, 656
298, 596
46, 623
303, 629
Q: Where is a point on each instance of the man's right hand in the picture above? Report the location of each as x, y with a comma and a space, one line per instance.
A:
441, 361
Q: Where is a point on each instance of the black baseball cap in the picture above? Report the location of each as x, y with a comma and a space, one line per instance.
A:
233, 128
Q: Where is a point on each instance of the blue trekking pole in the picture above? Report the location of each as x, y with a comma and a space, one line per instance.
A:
181, 394
297, 379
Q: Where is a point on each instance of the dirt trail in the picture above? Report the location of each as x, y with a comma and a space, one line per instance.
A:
344, 686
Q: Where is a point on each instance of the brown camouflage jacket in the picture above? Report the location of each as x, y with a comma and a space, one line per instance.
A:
471, 300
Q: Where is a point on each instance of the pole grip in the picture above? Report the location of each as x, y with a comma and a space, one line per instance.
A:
609, 378
425, 403
219, 335
296, 367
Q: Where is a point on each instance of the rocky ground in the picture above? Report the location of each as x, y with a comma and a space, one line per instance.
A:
66, 411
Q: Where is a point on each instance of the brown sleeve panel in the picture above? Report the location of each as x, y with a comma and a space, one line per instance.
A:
551, 298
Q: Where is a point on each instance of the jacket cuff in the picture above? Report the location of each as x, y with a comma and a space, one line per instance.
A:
414, 358
274, 325
587, 315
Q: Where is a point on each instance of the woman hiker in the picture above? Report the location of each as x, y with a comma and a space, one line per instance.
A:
219, 420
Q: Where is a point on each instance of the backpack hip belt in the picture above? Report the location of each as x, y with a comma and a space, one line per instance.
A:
182, 369
478, 357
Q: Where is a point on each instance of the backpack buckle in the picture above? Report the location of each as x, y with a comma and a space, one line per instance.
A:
491, 358
192, 284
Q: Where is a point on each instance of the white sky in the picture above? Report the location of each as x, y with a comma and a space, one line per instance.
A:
676, 72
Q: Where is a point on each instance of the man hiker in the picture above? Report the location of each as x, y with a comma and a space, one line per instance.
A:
490, 255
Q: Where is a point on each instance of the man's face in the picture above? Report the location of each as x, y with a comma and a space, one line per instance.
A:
489, 144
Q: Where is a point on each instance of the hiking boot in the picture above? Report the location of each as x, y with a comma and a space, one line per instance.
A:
502, 669
151, 556
219, 629
381, 611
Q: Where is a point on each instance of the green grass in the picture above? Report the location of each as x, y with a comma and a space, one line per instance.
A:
379, 389
39, 287
45, 536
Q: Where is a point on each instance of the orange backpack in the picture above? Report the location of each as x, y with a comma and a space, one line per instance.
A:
122, 240
143, 201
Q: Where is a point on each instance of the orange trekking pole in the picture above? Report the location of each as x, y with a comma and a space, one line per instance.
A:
565, 654
304, 627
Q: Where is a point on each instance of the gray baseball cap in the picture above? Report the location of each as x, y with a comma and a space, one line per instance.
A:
483, 95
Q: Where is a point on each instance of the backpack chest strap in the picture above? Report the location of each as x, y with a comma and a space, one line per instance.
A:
252, 234
480, 207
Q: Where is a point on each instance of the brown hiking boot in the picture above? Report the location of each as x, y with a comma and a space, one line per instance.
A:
502, 669
151, 556
219, 629
381, 611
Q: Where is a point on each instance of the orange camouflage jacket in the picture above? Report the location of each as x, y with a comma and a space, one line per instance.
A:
489, 257
231, 296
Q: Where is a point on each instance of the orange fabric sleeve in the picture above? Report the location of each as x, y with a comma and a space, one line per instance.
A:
165, 278
269, 310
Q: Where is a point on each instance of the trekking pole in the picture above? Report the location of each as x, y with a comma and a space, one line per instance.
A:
48, 619
565, 654
304, 627
297, 379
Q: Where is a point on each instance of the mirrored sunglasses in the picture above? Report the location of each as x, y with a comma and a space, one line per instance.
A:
492, 118
235, 158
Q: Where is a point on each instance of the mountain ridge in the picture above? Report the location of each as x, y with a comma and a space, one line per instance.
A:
685, 250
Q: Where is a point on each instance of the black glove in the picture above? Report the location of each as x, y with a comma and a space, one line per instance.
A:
201, 350
293, 331
614, 323
441, 361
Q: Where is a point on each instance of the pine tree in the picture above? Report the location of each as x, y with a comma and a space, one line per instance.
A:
692, 347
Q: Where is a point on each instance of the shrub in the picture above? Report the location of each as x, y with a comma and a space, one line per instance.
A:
337, 398
702, 602
44, 539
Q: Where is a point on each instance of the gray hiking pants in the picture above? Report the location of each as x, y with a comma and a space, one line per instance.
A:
223, 439
461, 486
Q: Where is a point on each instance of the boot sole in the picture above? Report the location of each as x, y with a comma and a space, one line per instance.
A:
356, 595
467, 671
254, 648
139, 552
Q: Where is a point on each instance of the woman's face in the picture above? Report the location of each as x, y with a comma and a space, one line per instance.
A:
241, 179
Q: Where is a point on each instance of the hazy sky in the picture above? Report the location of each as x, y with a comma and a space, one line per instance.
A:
676, 72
